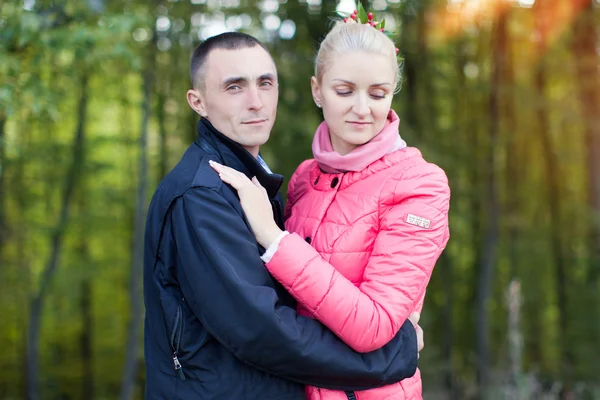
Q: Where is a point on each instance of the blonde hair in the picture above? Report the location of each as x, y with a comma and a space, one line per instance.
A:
345, 37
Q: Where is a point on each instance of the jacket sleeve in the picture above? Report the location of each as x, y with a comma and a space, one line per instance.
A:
404, 254
230, 291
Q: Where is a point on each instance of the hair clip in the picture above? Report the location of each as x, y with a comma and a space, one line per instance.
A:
361, 16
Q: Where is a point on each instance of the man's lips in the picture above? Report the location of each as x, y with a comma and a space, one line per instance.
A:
255, 121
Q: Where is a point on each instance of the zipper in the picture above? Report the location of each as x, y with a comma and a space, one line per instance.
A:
350, 395
176, 334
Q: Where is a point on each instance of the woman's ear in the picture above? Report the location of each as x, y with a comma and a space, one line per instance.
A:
316, 91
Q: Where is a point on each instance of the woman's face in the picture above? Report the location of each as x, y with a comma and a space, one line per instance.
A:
356, 95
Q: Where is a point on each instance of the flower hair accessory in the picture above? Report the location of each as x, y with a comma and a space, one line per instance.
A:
361, 16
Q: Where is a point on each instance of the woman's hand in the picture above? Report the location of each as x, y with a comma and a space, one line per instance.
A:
255, 202
414, 318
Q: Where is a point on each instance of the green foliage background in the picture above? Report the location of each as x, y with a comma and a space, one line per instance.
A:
504, 95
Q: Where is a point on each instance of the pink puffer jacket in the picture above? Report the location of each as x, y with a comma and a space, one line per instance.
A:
361, 251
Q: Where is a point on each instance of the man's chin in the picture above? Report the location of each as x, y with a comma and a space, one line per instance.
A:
259, 138
255, 141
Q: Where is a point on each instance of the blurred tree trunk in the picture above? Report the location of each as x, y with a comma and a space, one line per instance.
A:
87, 334
465, 132
37, 303
488, 260
418, 83
85, 303
512, 189
164, 87
137, 308
553, 179
515, 341
444, 266
586, 58
584, 50
512, 186
469, 106
23, 257
512, 150
47, 130
162, 129
3, 190
424, 80
553, 184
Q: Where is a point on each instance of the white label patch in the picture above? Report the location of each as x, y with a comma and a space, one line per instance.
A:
418, 221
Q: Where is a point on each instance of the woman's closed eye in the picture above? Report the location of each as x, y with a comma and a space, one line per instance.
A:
376, 96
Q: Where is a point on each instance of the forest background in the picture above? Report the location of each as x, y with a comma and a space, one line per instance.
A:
503, 94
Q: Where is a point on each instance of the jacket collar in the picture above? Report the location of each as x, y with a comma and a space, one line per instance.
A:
235, 156
322, 180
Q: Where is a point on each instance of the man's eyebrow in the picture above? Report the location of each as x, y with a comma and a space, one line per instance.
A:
234, 79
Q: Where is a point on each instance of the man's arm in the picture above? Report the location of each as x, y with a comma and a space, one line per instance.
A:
227, 286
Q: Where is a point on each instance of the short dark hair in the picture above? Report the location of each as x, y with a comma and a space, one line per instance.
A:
227, 41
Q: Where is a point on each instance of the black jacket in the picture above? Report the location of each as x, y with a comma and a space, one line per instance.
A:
217, 325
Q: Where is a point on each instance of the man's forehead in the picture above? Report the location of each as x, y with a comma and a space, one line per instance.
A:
249, 63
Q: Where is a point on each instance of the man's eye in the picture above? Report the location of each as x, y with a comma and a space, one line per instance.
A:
233, 88
266, 83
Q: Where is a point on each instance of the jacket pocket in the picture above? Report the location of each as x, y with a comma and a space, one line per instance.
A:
176, 335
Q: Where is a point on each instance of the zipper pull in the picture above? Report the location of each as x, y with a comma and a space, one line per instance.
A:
178, 366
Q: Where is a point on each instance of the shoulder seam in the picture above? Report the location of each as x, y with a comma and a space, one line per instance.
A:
197, 181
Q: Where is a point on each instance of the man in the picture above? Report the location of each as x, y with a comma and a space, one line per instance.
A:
217, 325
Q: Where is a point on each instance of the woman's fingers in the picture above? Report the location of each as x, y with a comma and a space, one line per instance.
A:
257, 183
420, 339
235, 178
414, 318
222, 169
230, 175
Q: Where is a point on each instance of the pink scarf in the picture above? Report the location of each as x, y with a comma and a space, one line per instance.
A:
331, 162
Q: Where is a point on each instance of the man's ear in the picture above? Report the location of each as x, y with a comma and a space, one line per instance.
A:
196, 102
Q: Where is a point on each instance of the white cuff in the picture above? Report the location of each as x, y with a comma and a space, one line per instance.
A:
273, 248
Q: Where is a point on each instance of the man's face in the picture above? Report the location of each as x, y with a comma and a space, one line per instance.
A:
239, 96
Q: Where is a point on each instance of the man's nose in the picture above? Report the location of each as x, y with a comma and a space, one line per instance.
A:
254, 100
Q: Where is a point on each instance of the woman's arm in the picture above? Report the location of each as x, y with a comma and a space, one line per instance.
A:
413, 233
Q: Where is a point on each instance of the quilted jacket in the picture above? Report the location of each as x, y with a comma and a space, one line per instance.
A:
361, 251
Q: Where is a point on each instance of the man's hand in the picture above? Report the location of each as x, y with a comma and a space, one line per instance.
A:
414, 318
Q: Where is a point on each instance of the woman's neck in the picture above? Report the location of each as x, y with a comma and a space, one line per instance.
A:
340, 146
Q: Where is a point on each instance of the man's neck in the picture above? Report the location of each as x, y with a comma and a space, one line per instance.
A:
253, 150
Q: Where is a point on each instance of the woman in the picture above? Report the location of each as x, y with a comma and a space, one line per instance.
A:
367, 217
